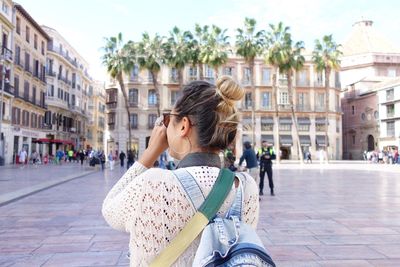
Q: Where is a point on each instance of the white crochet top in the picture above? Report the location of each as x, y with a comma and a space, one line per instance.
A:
151, 205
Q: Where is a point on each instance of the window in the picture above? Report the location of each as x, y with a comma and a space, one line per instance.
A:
35, 43
363, 116
389, 94
27, 33
149, 76
33, 94
192, 73
266, 100
229, 71
390, 128
5, 7
248, 101
209, 73
42, 47
285, 127
319, 80
174, 97
353, 110
174, 75
133, 97
320, 102
266, 76
283, 98
304, 127
133, 121
246, 75
353, 139
16, 115
26, 90
134, 73
25, 118
152, 120
390, 110
319, 127
247, 124
152, 98
301, 78
17, 56
302, 101
16, 85
33, 120
27, 61
391, 73
18, 28
111, 118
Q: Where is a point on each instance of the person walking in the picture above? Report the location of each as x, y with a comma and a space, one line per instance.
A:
266, 154
102, 159
22, 157
111, 160
122, 157
251, 160
131, 159
35, 158
150, 203
81, 156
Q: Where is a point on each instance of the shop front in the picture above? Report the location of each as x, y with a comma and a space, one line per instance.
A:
286, 143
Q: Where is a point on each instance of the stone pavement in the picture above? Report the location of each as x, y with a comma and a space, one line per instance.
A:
321, 216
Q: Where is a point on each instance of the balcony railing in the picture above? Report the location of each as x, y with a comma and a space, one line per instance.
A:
111, 105
51, 73
390, 97
303, 108
320, 108
319, 84
390, 114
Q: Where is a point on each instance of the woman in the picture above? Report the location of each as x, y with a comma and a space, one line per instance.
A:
150, 203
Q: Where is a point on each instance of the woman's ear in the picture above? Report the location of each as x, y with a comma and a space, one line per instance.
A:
185, 127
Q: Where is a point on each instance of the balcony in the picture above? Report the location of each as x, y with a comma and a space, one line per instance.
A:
7, 87
51, 73
390, 114
320, 108
284, 107
6, 54
111, 105
390, 96
173, 79
303, 108
319, 84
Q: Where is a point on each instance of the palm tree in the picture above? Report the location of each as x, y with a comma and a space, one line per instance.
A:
197, 45
151, 55
118, 60
215, 49
177, 51
294, 62
326, 58
249, 44
275, 56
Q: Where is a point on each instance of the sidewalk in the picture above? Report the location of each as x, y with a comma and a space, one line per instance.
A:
16, 183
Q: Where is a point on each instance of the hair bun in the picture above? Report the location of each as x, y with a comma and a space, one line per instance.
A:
229, 91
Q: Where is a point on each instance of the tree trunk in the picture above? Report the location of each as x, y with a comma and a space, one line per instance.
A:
327, 76
122, 86
154, 77
201, 71
294, 119
253, 103
276, 117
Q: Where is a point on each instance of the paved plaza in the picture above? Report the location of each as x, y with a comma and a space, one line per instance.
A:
322, 215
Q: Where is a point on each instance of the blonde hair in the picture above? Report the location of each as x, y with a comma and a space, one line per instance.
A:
212, 109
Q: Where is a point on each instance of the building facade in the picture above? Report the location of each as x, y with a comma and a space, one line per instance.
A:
309, 101
389, 110
363, 65
68, 86
28, 105
6, 84
95, 135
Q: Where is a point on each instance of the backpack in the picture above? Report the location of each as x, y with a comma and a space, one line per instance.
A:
226, 241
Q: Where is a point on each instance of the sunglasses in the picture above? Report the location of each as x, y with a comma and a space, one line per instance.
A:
167, 118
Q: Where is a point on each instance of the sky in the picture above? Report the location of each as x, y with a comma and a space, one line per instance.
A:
85, 23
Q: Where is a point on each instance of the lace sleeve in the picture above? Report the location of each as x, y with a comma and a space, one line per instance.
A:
118, 202
251, 202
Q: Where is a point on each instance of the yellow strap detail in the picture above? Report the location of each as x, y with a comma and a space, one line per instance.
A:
181, 242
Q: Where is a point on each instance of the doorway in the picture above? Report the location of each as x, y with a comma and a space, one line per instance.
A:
371, 143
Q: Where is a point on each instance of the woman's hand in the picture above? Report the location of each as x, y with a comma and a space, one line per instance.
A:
158, 143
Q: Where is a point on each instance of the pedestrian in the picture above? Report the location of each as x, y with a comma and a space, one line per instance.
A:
81, 156
70, 155
111, 160
308, 157
22, 157
102, 159
122, 157
35, 158
150, 203
266, 154
131, 158
251, 160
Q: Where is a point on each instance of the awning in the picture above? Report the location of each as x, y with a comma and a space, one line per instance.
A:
285, 120
320, 140
305, 140
285, 140
62, 142
320, 120
267, 120
303, 121
41, 141
268, 137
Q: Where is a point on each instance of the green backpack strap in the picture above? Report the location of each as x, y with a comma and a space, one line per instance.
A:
196, 224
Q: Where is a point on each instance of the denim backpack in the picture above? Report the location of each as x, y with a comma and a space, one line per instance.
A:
226, 241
